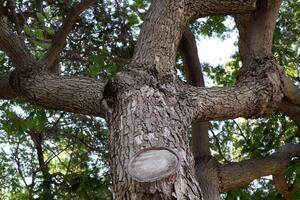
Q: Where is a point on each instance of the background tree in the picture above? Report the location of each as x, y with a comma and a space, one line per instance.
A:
48, 47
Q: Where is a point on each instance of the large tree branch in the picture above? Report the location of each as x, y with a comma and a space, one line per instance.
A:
71, 94
260, 94
159, 38
59, 41
256, 36
79, 95
194, 75
201, 8
256, 30
233, 175
15, 48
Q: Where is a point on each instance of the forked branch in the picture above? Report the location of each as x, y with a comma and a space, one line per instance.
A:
59, 41
74, 94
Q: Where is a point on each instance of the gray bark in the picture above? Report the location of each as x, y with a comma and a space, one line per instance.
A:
149, 116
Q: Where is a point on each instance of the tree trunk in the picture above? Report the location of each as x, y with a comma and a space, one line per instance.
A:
149, 116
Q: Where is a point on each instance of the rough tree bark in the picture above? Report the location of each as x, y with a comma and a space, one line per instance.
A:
148, 108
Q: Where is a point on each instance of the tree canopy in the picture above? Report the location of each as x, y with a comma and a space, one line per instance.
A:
47, 154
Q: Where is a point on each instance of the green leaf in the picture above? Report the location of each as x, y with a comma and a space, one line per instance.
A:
27, 29
40, 16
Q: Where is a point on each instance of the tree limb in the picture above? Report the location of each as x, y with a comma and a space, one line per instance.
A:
234, 175
256, 30
79, 95
37, 139
260, 94
215, 7
14, 47
194, 75
70, 94
59, 41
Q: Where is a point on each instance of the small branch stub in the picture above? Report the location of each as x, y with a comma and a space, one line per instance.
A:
153, 164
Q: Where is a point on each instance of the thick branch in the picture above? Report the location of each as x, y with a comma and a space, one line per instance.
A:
159, 38
256, 30
194, 75
216, 7
14, 47
59, 41
259, 94
6, 92
234, 175
71, 94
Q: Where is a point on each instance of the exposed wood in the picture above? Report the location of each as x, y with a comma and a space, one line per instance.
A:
144, 117
153, 164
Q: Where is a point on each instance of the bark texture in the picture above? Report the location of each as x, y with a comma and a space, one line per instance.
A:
149, 116
205, 167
